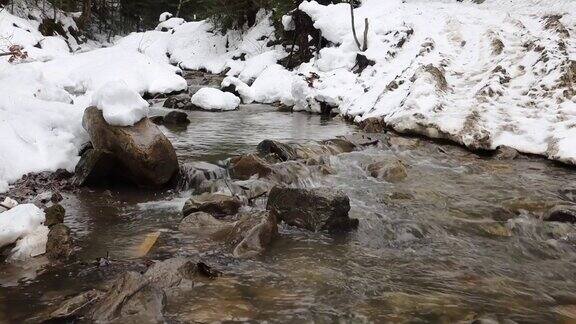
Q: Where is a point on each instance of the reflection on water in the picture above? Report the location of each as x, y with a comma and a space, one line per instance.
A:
456, 241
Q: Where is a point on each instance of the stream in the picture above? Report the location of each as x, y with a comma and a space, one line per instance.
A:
457, 240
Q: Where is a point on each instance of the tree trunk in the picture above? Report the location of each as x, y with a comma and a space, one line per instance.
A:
86, 13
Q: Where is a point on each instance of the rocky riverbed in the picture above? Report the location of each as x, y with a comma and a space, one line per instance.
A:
374, 227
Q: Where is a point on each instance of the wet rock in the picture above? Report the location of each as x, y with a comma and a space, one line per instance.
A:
372, 125
403, 142
158, 120
141, 298
54, 215
70, 308
506, 153
56, 198
176, 118
195, 175
284, 151
201, 222
181, 101
59, 245
94, 166
146, 157
312, 209
251, 234
245, 166
289, 152
563, 214
391, 171
214, 204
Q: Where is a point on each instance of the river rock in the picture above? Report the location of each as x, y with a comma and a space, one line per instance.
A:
94, 166
372, 125
145, 154
59, 245
141, 298
176, 118
564, 214
245, 166
312, 209
312, 150
505, 153
251, 234
54, 215
214, 204
201, 222
181, 101
391, 171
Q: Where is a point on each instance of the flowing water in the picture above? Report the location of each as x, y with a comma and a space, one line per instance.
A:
457, 240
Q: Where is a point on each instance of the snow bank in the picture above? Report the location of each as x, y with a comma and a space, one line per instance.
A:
170, 24
23, 224
214, 99
44, 96
120, 105
499, 73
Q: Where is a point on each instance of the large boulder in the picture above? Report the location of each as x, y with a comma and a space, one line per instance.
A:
218, 205
145, 156
314, 209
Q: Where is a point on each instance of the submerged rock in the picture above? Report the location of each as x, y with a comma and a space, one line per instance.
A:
201, 222
145, 156
135, 297
251, 234
54, 215
59, 245
563, 214
312, 209
214, 204
245, 166
391, 171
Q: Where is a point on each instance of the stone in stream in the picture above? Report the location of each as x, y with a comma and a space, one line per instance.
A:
391, 171
54, 215
141, 298
288, 152
59, 245
505, 153
245, 166
563, 214
314, 209
372, 125
176, 118
218, 205
94, 167
250, 235
201, 222
145, 156
181, 101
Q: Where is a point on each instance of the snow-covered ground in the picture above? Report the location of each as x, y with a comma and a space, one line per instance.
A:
483, 75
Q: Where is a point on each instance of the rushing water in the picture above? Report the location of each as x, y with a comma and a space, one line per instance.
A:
457, 240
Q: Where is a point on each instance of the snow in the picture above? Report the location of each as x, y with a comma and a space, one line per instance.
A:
498, 73
481, 75
214, 99
170, 24
23, 225
165, 16
120, 105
